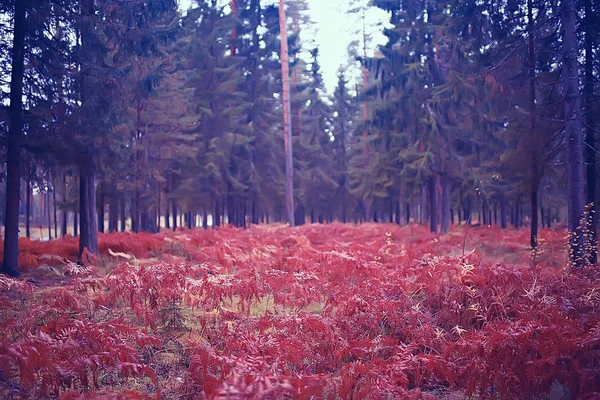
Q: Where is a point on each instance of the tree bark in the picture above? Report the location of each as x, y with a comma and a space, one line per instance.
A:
28, 209
433, 203
590, 137
101, 213
535, 179
574, 133
88, 228
113, 213
10, 263
446, 192
122, 213
287, 123
63, 213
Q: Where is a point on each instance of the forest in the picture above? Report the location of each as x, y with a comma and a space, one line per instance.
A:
190, 208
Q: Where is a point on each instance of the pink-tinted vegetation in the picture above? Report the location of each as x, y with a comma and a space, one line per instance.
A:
320, 311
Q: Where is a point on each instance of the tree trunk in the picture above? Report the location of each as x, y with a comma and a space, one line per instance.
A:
574, 134
28, 209
549, 217
590, 139
75, 223
88, 229
408, 213
113, 213
122, 213
433, 203
10, 263
446, 211
101, 213
287, 123
533, 233
174, 214
48, 215
63, 213
55, 211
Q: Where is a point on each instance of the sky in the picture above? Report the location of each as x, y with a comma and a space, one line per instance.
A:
334, 29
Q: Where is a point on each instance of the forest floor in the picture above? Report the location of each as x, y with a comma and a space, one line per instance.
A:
319, 311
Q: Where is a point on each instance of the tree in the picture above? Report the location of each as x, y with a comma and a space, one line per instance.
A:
10, 263
287, 122
574, 135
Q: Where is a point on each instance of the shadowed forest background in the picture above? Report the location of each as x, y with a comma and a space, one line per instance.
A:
183, 187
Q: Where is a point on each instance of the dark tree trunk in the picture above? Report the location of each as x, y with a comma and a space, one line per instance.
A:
549, 221
408, 213
433, 203
113, 214
446, 211
398, 217
590, 139
88, 229
122, 213
533, 234
28, 209
55, 214
174, 214
533, 237
574, 133
496, 214
204, 217
75, 223
10, 263
49, 215
452, 215
542, 219
63, 216
101, 213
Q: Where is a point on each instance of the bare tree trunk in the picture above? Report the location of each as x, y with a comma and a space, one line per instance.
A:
446, 194
574, 133
535, 180
63, 213
590, 137
287, 123
10, 263
433, 202
28, 208
101, 213
113, 213
88, 235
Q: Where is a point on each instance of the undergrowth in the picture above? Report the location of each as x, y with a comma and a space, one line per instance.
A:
321, 311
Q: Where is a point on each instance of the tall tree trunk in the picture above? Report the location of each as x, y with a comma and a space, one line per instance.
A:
433, 202
446, 192
28, 209
75, 223
174, 214
590, 137
101, 213
122, 213
408, 213
88, 228
533, 237
10, 263
113, 213
535, 180
49, 215
287, 123
55, 211
574, 133
63, 212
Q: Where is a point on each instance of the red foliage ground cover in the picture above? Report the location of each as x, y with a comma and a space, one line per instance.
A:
320, 311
